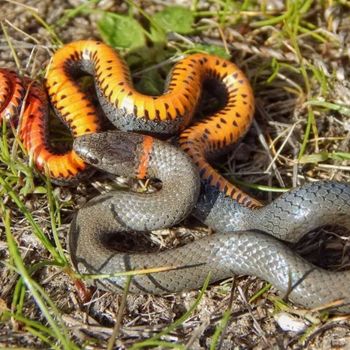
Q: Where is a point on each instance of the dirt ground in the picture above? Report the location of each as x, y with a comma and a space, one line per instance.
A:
251, 325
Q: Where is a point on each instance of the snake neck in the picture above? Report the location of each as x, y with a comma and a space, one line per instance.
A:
142, 157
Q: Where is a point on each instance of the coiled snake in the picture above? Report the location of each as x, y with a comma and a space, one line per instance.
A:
248, 235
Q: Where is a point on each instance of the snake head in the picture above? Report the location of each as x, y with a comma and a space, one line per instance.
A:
111, 151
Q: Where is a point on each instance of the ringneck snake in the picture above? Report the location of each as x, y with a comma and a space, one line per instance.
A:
248, 235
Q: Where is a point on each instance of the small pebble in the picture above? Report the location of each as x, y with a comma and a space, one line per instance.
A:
289, 323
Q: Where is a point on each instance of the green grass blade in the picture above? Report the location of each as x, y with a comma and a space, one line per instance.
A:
36, 291
55, 221
36, 229
219, 330
176, 323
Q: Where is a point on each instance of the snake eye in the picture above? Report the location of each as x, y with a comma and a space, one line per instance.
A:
91, 159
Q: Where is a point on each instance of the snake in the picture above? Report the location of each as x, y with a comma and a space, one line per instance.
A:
249, 237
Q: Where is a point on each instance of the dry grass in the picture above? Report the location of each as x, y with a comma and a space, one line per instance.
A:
299, 68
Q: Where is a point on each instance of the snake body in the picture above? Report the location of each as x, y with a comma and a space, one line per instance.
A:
247, 239
223, 254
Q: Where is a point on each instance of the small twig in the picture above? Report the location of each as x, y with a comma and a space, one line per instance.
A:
118, 321
266, 147
281, 148
255, 322
22, 5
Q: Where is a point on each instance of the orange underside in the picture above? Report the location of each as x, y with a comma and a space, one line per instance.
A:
112, 76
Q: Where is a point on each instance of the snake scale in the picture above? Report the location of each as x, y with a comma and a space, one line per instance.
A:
248, 237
